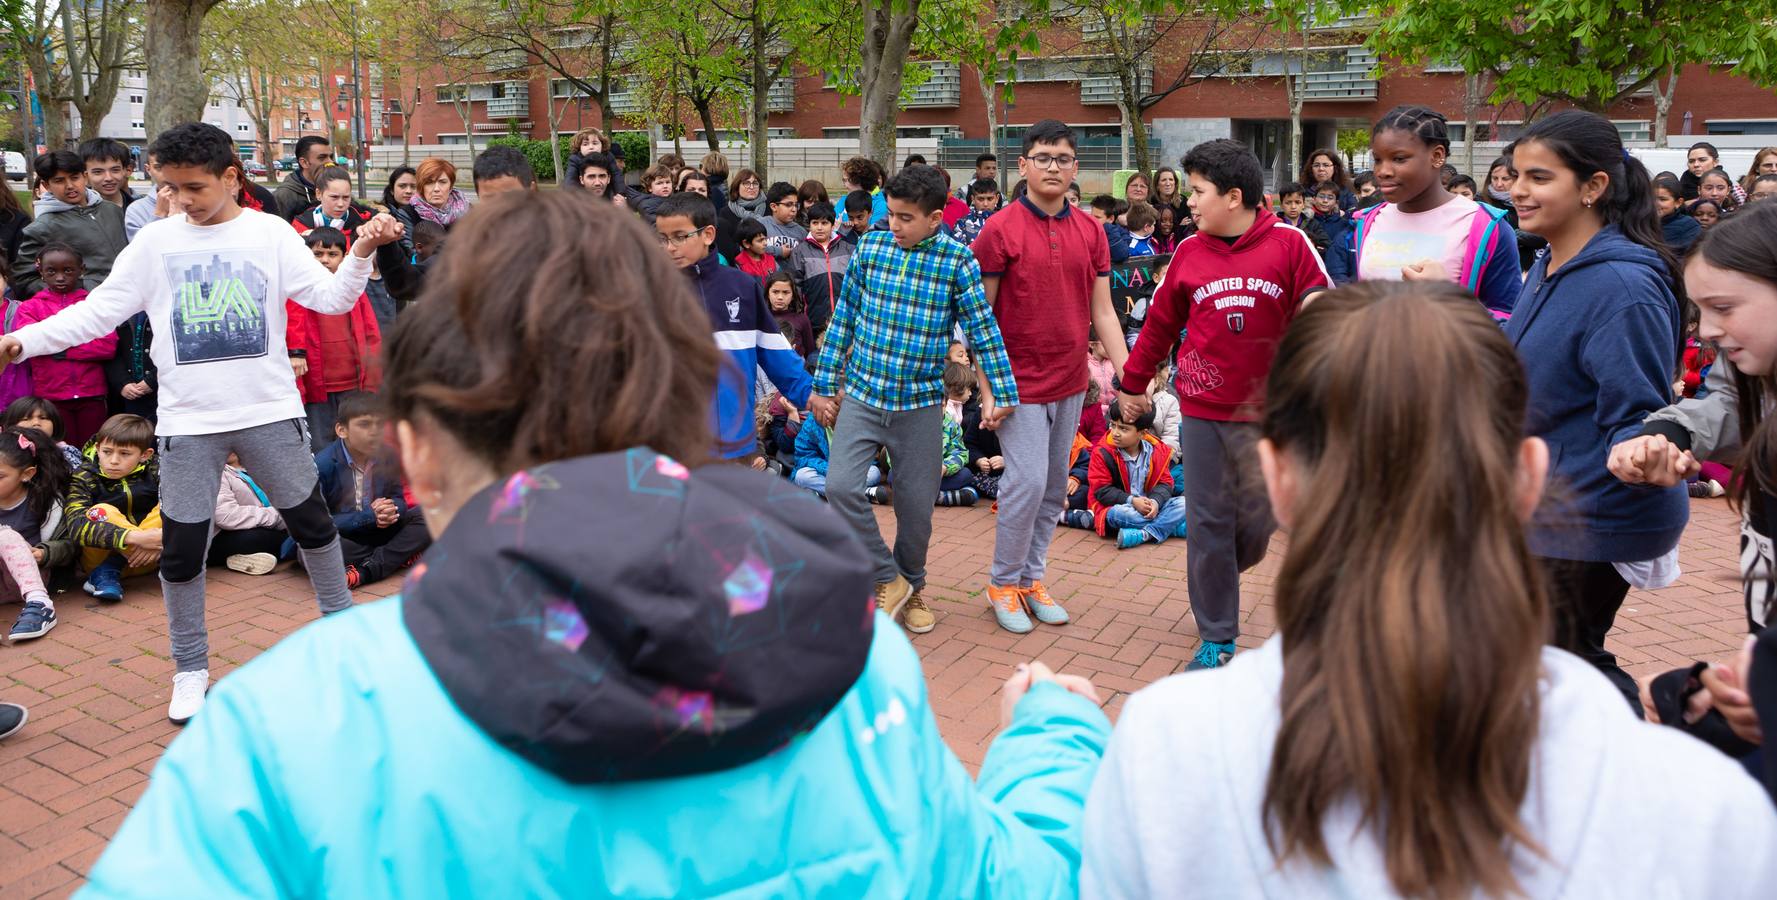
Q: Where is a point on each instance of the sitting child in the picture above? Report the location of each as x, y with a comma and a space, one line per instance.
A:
32, 478
333, 356
812, 449
75, 378
755, 259
379, 534
1131, 484
38, 413
986, 464
113, 506
957, 487
1076, 515
246, 533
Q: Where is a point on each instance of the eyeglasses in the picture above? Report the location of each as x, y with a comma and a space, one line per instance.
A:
676, 240
751, 182
1045, 161
791, 202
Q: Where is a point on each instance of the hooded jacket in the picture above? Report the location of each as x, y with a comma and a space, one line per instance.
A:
77, 372
745, 329
819, 273
694, 699
94, 230
1600, 341
303, 337
134, 495
1107, 475
1622, 808
293, 195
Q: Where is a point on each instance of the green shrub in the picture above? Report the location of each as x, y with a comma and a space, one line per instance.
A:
537, 152
636, 149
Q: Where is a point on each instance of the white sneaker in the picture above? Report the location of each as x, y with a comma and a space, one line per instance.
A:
252, 563
188, 695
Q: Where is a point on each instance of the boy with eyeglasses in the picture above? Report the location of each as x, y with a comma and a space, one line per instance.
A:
783, 233
1046, 267
741, 319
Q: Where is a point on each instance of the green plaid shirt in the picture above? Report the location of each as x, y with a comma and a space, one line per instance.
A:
894, 321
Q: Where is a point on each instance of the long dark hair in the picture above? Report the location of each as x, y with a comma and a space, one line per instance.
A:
551, 331
25, 407
23, 448
1746, 243
389, 191
1434, 735
1588, 144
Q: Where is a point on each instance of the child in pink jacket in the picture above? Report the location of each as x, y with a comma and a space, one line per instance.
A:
74, 380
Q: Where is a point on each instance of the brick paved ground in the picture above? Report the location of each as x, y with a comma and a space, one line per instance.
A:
97, 686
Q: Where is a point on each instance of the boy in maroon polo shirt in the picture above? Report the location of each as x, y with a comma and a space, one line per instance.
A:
1046, 267
1233, 287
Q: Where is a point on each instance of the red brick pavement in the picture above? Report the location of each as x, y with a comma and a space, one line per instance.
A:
97, 686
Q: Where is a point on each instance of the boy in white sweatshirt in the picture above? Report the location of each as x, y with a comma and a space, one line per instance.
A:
212, 278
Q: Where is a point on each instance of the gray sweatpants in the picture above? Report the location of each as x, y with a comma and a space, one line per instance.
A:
1230, 517
1035, 440
277, 455
915, 442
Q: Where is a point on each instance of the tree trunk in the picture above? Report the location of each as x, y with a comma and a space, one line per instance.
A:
262, 120
1471, 97
43, 77
606, 48
407, 127
1663, 104
990, 94
758, 127
177, 88
1293, 91
561, 174
888, 37
707, 115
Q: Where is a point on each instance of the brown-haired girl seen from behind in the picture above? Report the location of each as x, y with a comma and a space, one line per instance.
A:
1406, 732
610, 647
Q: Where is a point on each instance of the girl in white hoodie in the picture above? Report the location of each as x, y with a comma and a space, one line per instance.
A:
1405, 733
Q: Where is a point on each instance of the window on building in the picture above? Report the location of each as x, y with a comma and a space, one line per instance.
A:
1740, 126
215, 103
136, 124
289, 124
138, 99
314, 81
314, 104
453, 139
243, 128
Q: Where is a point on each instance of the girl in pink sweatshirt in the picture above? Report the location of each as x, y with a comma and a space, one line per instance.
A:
74, 380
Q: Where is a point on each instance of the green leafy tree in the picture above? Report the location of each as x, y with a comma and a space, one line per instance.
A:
1590, 53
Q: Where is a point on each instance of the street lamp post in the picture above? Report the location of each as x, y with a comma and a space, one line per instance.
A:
357, 103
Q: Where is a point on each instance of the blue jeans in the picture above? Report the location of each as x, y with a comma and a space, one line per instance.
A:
1160, 527
817, 482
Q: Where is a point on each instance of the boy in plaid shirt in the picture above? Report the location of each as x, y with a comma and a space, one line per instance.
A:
905, 292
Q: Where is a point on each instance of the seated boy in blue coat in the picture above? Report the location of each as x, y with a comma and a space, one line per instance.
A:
379, 534
811, 459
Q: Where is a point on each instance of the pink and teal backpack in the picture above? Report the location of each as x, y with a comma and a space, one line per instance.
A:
1483, 242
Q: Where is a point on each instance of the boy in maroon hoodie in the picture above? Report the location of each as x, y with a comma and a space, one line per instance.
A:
1233, 287
75, 379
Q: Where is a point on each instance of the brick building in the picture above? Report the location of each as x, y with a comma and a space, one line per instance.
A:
1248, 104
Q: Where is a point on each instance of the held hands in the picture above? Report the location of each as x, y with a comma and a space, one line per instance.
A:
1649, 459
1146, 506
1133, 406
381, 229
1724, 690
136, 390
142, 547
10, 348
1029, 674
993, 415
824, 409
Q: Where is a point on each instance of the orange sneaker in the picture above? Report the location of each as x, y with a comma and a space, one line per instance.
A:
1008, 607
1043, 606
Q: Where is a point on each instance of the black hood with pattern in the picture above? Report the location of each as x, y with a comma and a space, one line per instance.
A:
621, 617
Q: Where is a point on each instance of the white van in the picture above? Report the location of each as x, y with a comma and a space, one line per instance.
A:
15, 165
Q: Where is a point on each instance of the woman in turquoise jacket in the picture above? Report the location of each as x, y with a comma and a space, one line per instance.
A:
613, 674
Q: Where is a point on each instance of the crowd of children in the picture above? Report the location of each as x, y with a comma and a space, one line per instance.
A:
203, 390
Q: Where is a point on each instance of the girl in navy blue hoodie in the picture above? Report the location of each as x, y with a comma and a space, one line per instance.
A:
1599, 330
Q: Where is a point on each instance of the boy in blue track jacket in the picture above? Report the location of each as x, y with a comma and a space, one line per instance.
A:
741, 319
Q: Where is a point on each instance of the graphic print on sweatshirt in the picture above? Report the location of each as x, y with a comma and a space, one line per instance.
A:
218, 306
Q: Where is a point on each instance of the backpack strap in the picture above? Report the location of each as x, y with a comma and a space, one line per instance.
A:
1361, 222
12, 309
1483, 241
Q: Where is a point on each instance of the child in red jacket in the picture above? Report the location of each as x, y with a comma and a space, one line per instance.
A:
74, 380
1129, 484
332, 356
